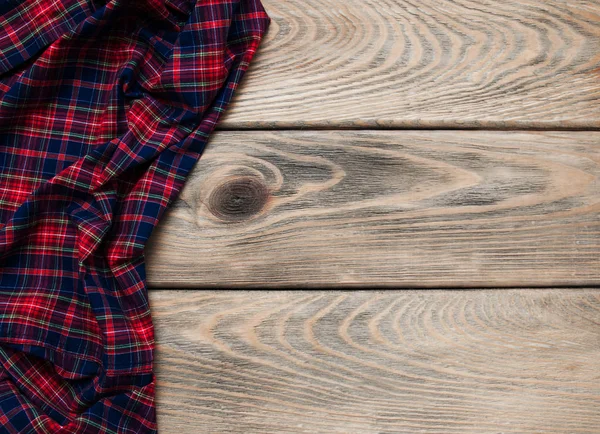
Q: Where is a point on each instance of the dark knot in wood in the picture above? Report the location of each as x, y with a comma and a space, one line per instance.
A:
238, 199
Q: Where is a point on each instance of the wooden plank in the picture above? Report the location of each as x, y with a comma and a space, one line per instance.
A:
385, 208
508, 361
425, 64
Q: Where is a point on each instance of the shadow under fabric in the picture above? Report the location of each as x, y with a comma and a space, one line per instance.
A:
105, 107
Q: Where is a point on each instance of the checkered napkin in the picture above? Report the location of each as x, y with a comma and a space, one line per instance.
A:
105, 106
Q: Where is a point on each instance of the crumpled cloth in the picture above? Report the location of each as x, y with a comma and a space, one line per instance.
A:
105, 106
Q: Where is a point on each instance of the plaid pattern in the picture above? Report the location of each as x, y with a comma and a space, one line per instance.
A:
105, 106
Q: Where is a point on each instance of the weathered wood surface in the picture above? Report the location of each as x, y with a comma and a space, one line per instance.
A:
505, 361
385, 208
426, 63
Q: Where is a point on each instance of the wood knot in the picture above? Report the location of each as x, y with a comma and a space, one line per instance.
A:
238, 199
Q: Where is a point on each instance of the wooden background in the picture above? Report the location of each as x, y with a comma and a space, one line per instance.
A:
404, 146
498, 361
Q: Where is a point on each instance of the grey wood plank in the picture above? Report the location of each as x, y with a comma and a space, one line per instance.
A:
499, 361
424, 64
385, 208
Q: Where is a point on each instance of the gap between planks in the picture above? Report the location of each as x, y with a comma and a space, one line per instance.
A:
408, 127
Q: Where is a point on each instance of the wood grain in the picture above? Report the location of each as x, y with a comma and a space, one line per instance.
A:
503, 361
385, 208
425, 64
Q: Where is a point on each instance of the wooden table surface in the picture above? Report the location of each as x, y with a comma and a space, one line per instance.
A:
415, 185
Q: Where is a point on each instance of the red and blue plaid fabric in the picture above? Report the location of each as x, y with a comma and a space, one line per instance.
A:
105, 106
